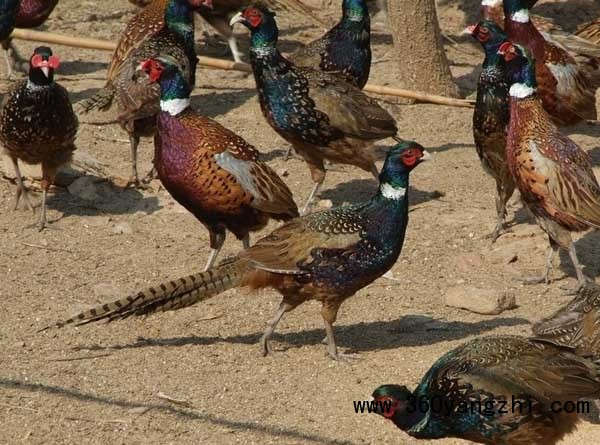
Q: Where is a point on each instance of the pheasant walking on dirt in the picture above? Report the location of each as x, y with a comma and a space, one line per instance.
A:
326, 256
553, 174
211, 171
137, 99
20, 14
491, 115
345, 49
319, 114
38, 125
495, 390
567, 88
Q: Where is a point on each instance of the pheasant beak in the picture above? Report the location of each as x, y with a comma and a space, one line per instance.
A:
46, 71
238, 18
426, 156
469, 30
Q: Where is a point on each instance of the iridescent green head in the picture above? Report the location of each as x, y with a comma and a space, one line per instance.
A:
394, 402
355, 9
521, 69
400, 160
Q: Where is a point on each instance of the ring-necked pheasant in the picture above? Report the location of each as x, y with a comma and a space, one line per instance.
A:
566, 87
553, 174
491, 115
345, 49
144, 38
321, 115
38, 125
495, 390
210, 170
326, 256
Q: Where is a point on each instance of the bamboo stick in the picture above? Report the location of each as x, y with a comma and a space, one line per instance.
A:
211, 62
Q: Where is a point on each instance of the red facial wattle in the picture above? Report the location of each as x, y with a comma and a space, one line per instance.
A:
253, 17
37, 61
506, 50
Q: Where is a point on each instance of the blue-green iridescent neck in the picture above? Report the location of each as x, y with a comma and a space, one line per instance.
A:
355, 10
492, 58
265, 36
522, 71
393, 172
512, 6
173, 85
179, 18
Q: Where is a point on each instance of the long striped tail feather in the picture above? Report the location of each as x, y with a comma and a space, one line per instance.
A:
167, 296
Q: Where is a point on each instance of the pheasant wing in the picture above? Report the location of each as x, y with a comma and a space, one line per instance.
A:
348, 108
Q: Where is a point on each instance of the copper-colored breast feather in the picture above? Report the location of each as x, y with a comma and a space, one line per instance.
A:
267, 192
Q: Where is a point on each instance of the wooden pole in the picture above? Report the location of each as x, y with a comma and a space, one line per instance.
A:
211, 62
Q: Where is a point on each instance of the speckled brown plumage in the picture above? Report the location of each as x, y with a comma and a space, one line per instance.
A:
553, 174
575, 325
38, 125
325, 256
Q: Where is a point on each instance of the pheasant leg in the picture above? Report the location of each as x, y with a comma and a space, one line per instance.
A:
246, 241
502, 196
271, 325
21, 189
216, 242
545, 278
134, 142
582, 280
14, 62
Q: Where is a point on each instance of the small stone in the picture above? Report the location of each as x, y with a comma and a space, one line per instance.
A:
480, 301
122, 228
284, 173
469, 262
85, 188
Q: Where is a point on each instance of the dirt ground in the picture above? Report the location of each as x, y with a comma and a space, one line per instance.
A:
105, 383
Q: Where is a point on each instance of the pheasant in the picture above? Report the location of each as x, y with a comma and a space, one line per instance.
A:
222, 10
321, 115
566, 88
142, 39
210, 170
345, 48
38, 125
553, 174
20, 14
491, 115
590, 31
494, 390
326, 256
576, 324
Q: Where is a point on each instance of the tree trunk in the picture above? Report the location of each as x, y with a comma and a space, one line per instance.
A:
418, 48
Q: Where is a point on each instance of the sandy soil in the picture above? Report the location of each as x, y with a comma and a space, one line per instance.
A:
101, 383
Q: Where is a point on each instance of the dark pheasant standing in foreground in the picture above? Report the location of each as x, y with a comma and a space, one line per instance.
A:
491, 115
320, 114
576, 325
20, 14
345, 49
486, 372
553, 174
144, 38
326, 256
210, 170
38, 125
567, 88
